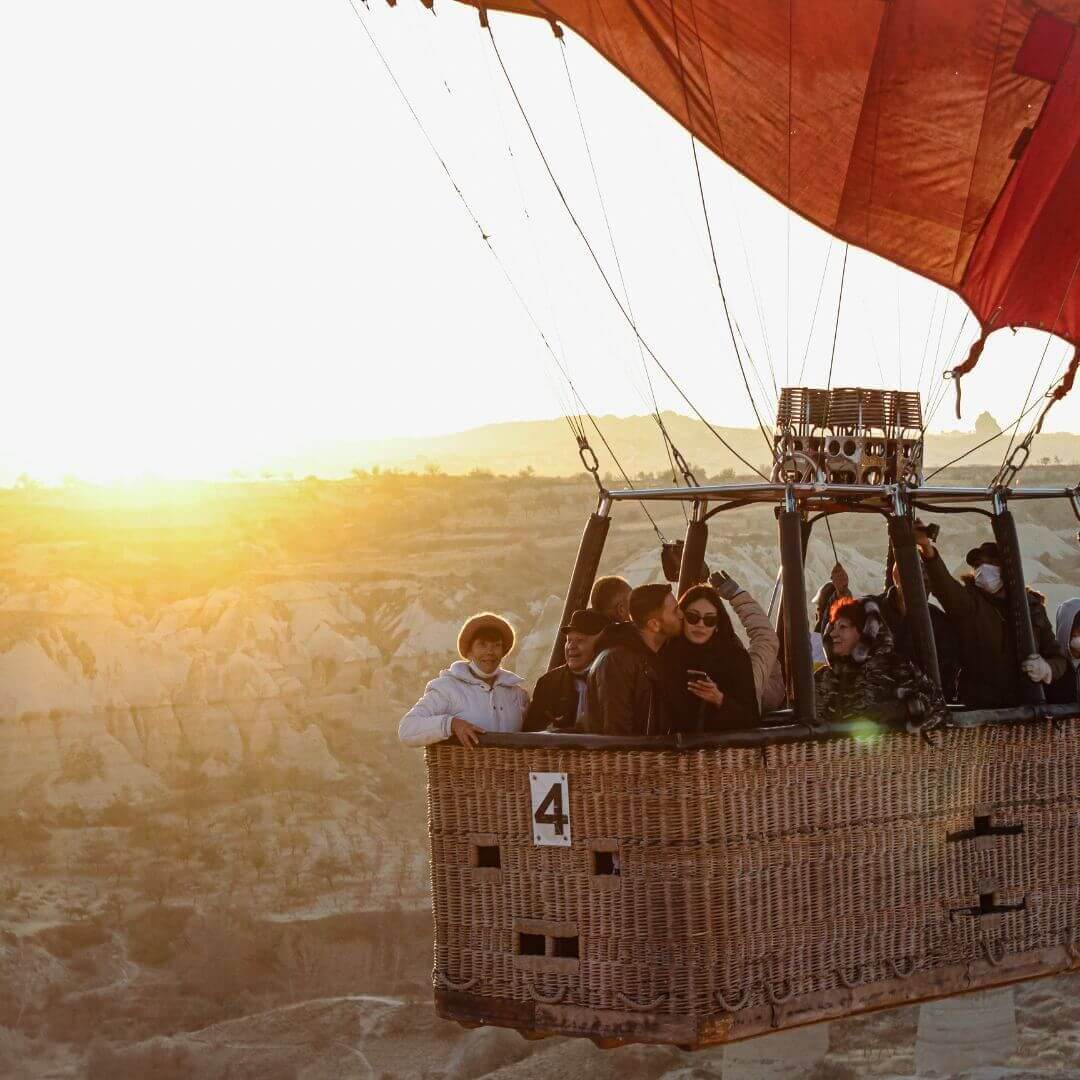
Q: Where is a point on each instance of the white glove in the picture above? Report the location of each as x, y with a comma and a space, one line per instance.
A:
1037, 669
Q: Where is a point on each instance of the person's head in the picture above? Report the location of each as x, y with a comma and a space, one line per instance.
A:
824, 598
847, 620
611, 597
581, 634
653, 610
1074, 637
985, 560
856, 629
704, 616
484, 640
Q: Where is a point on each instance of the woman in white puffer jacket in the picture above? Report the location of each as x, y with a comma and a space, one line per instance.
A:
474, 693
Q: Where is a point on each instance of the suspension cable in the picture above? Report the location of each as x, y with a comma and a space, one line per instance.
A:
577, 427
709, 234
1057, 318
817, 305
607, 281
926, 341
985, 442
940, 389
672, 452
836, 327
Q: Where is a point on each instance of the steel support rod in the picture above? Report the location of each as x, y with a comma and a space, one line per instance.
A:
692, 567
800, 664
585, 566
1012, 569
913, 588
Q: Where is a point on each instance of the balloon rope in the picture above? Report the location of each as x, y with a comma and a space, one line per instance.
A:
817, 305
577, 426
708, 231
607, 281
669, 445
836, 327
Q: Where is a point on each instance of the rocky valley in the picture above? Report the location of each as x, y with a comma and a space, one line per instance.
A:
214, 847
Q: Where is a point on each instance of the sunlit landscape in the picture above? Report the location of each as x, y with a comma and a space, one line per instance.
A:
215, 846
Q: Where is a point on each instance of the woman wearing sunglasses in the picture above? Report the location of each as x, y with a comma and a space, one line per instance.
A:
708, 670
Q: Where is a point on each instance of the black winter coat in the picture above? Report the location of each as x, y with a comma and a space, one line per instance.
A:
945, 643
554, 702
627, 691
728, 664
989, 667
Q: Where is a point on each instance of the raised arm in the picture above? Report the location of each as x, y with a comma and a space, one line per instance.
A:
955, 600
764, 644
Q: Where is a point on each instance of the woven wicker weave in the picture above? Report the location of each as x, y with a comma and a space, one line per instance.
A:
758, 888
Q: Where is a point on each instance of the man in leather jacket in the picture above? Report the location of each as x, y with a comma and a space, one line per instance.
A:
625, 690
558, 701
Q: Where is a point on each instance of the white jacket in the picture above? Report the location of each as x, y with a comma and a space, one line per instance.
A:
457, 692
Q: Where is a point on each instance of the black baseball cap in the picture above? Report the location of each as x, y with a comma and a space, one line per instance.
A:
586, 621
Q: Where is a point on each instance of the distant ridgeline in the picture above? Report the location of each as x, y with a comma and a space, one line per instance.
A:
543, 446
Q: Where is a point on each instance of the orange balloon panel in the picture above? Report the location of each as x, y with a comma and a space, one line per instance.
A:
943, 135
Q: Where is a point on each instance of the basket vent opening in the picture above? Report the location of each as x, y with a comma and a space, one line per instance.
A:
531, 944
488, 855
605, 864
566, 947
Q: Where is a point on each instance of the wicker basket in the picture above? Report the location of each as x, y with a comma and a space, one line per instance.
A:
755, 889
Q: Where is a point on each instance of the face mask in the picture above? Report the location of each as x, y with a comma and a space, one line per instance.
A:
1074, 644
988, 578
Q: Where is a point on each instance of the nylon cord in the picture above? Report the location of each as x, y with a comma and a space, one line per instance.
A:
1042, 358
708, 231
669, 445
578, 431
836, 327
813, 317
607, 281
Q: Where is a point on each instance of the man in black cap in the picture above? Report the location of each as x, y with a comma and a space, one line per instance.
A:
559, 698
977, 605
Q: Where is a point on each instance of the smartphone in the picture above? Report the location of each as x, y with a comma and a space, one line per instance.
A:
696, 676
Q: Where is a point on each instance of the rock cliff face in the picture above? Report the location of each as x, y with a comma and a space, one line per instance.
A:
99, 691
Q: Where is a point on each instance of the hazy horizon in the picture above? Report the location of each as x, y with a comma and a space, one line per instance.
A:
226, 238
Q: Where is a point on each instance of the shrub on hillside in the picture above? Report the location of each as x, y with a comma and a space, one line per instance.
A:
153, 935
66, 940
82, 763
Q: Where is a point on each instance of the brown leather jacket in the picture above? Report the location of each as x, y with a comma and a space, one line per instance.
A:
626, 686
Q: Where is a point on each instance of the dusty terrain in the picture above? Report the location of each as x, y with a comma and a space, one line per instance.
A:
213, 845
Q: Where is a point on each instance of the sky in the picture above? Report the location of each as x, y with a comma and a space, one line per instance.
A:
224, 239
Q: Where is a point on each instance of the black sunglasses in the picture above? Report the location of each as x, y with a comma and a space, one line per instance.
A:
695, 617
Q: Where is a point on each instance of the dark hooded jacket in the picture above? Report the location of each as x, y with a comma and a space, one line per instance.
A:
554, 702
728, 664
627, 689
945, 643
990, 675
1066, 690
875, 679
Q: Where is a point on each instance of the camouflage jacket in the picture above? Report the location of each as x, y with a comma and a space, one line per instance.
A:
876, 677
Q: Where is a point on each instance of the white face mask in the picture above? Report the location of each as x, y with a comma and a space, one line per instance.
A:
988, 578
1074, 644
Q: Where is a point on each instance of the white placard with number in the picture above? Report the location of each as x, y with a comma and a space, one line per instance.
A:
550, 809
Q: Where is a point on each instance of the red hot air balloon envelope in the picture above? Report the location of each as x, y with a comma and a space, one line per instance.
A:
944, 137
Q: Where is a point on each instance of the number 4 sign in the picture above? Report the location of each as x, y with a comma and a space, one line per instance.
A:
550, 808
